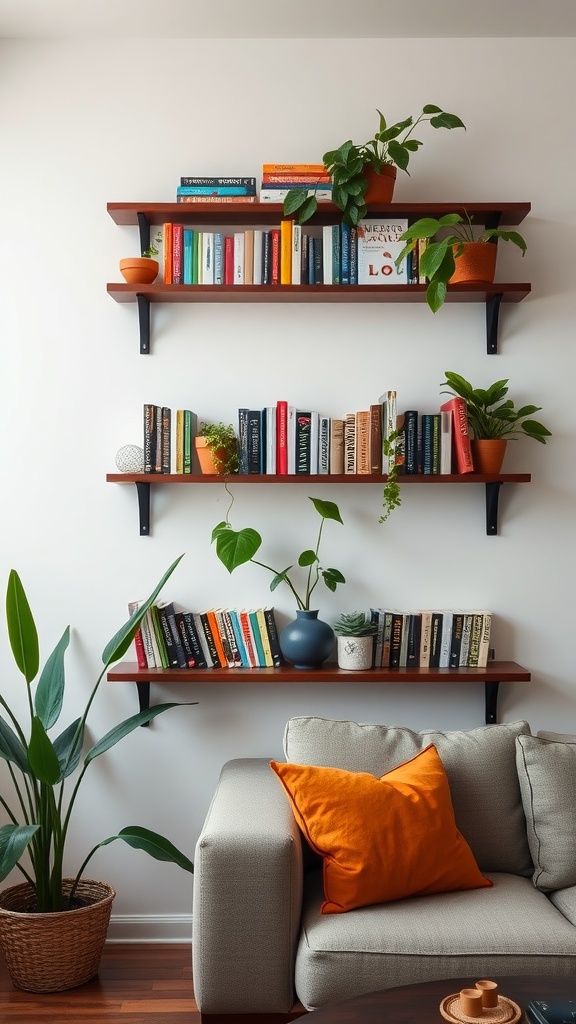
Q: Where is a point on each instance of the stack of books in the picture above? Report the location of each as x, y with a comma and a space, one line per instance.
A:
216, 638
278, 179
444, 638
167, 450
202, 189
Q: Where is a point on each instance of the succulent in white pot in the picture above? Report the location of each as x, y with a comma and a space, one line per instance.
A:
355, 634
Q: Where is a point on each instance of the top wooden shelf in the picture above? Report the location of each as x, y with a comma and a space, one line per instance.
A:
327, 213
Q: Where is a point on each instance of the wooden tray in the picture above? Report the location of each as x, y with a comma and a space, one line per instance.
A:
507, 1012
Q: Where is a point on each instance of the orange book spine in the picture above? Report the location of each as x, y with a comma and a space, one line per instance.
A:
285, 252
293, 168
213, 623
363, 441
167, 249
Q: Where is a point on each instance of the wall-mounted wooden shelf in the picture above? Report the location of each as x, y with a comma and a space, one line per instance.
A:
495, 673
144, 482
261, 214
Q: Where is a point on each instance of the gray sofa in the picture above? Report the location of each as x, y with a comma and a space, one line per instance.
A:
259, 940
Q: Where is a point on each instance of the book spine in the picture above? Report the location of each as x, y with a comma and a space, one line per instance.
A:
166, 439
460, 434
235, 622
285, 252
221, 628
177, 254
353, 255
189, 659
213, 639
210, 199
266, 258
158, 440
435, 639
139, 649
215, 190
350, 443
275, 256
256, 639
264, 638
278, 193
188, 242
149, 438
336, 446
377, 616
363, 441
238, 257
296, 258
194, 640
157, 634
200, 632
249, 256
254, 442
466, 637
425, 636
456, 639
167, 252
272, 628
404, 643
375, 439
243, 415
447, 618
414, 639
436, 442
345, 254
248, 641
446, 442
228, 259
303, 430
246, 182
484, 650
411, 442
324, 446
396, 639
427, 430
296, 178
293, 169
169, 642
282, 438
386, 639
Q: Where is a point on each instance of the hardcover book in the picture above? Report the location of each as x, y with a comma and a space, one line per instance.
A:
378, 246
246, 182
460, 434
551, 1011
272, 628
336, 446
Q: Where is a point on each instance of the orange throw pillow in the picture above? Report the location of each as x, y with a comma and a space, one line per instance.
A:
381, 839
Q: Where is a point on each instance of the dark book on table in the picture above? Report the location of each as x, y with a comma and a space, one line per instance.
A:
551, 1011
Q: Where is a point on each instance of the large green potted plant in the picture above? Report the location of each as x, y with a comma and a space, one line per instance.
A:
309, 641
462, 253
355, 166
47, 946
493, 419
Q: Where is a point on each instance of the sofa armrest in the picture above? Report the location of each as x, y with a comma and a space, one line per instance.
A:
565, 901
247, 895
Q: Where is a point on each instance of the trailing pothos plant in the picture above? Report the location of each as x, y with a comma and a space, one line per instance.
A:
236, 547
47, 773
391, 493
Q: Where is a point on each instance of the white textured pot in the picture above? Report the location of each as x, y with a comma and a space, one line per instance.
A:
355, 652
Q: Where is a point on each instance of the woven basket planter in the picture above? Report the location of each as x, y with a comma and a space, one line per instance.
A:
55, 951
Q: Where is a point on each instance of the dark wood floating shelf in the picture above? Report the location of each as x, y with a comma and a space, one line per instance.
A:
496, 672
260, 214
144, 481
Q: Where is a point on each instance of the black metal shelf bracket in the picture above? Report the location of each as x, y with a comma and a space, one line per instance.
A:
143, 491
143, 700
492, 493
492, 317
144, 324
491, 692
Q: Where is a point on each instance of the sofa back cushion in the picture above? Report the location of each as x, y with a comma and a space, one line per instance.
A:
547, 774
480, 765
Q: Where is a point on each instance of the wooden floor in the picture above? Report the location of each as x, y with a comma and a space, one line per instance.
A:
137, 984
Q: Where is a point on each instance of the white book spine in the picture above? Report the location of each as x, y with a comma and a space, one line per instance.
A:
271, 439
296, 253
257, 271
314, 440
208, 257
238, 257
446, 639
278, 195
327, 254
291, 440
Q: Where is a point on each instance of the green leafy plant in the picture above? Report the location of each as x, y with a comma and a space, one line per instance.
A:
437, 262
391, 144
235, 548
355, 624
152, 250
47, 773
391, 494
223, 443
491, 417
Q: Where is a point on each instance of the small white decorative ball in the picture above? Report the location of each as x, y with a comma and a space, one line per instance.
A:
130, 459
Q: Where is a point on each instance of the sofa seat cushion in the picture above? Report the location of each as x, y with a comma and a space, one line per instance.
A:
480, 765
509, 929
547, 774
381, 839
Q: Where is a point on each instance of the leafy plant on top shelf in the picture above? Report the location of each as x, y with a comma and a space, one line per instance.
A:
235, 548
438, 261
355, 624
489, 416
391, 144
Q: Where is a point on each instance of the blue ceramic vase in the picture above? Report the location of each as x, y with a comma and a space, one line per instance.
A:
307, 641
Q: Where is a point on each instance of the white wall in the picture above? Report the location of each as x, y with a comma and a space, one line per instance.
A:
82, 124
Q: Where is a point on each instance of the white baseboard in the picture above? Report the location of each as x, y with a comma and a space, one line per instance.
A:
150, 928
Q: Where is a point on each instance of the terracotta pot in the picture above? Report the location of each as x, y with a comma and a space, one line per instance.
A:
206, 457
488, 455
380, 186
476, 264
54, 951
139, 270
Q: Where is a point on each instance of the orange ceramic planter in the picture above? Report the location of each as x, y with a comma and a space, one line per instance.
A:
476, 264
380, 186
488, 455
206, 458
139, 270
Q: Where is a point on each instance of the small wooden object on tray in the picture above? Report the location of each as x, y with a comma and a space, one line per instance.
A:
480, 1005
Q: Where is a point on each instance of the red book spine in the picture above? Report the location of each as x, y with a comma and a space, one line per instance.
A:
275, 243
460, 434
247, 634
229, 259
282, 438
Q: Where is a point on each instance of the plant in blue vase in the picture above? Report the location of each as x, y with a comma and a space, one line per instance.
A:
306, 642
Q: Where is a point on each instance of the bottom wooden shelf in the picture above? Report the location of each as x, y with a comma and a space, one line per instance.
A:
496, 672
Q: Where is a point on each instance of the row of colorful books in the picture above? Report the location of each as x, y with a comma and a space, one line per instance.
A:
335, 254
276, 182
166, 451
432, 638
216, 638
